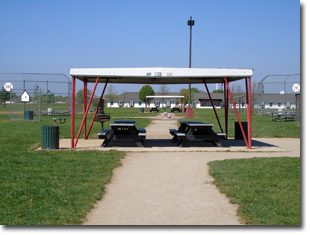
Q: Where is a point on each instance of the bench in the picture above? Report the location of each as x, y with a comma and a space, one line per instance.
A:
181, 137
154, 110
172, 131
61, 120
142, 134
220, 136
102, 134
283, 117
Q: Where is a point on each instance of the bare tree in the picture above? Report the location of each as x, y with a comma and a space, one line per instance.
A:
163, 90
111, 93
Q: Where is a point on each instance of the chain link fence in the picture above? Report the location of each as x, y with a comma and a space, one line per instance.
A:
49, 94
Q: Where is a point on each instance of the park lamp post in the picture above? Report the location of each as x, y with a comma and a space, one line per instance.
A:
189, 110
190, 23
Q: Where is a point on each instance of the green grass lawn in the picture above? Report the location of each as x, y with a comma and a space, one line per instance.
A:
267, 190
59, 187
50, 187
262, 126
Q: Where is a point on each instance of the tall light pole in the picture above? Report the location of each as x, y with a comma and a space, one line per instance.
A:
189, 111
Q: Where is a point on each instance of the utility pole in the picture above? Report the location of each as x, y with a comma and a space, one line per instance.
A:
189, 111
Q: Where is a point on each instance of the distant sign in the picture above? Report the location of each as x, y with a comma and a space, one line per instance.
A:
25, 97
8, 86
296, 87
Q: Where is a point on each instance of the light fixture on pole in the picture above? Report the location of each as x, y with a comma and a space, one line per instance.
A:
189, 111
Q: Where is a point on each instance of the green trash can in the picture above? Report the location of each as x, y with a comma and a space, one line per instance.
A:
141, 110
238, 132
28, 115
50, 137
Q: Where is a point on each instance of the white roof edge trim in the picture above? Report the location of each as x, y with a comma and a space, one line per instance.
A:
160, 72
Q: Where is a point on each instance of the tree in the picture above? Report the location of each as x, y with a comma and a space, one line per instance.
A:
4, 96
184, 92
80, 95
111, 93
237, 90
254, 92
145, 91
163, 90
218, 91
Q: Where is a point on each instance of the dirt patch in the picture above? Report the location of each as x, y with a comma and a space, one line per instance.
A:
171, 185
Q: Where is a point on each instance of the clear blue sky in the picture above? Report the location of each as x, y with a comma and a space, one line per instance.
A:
53, 36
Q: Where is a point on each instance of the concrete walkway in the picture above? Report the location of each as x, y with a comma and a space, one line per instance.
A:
158, 187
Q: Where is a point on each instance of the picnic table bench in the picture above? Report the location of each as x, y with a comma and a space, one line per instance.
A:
121, 129
283, 117
154, 110
176, 109
61, 120
189, 131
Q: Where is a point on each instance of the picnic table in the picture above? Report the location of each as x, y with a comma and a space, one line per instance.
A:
61, 120
283, 116
189, 131
176, 109
154, 110
123, 129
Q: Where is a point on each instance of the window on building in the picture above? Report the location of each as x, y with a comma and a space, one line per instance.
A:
207, 103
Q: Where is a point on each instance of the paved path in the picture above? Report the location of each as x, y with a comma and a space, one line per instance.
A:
170, 188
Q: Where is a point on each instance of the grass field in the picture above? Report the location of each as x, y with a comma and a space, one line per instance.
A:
49, 187
267, 190
262, 126
59, 187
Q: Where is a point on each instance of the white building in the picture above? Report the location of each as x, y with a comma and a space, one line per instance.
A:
131, 100
278, 101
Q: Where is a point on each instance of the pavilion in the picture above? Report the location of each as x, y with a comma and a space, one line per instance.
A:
161, 76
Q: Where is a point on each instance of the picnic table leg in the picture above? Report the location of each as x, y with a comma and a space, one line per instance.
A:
182, 142
108, 138
217, 143
139, 143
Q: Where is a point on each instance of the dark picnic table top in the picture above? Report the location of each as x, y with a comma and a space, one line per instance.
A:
124, 121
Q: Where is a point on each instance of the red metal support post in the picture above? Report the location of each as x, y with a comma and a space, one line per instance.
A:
226, 110
72, 112
85, 104
246, 91
214, 109
91, 125
87, 109
249, 109
236, 111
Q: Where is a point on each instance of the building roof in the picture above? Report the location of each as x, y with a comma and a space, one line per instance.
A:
160, 75
204, 96
134, 96
278, 98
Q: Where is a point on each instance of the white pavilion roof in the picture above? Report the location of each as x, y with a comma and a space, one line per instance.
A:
160, 75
